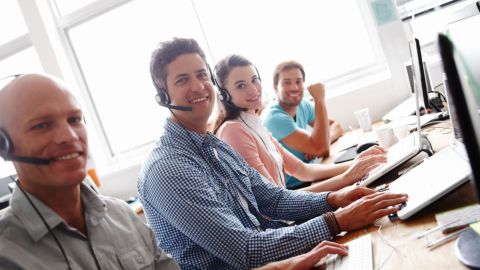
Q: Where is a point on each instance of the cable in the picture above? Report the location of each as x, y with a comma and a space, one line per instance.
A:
45, 223
438, 85
441, 95
394, 246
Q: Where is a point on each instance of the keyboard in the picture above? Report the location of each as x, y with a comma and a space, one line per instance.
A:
359, 256
429, 181
397, 154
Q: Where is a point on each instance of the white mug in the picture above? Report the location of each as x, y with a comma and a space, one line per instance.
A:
364, 120
386, 137
401, 131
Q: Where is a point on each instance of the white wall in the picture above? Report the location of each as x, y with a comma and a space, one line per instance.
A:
122, 183
382, 96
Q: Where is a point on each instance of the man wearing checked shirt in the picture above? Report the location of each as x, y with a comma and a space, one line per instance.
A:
207, 207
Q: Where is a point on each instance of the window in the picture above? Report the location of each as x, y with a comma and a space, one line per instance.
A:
269, 32
11, 20
111, 42
24, 61
114, 51
16, 53
67, 6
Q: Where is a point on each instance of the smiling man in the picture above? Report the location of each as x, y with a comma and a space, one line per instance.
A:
288, 118
207, 206
54, 220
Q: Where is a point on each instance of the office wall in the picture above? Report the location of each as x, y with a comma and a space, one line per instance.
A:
383, 95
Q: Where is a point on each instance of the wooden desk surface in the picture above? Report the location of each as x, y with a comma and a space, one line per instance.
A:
395, 245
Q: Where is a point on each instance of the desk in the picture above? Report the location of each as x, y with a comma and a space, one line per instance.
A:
395, 245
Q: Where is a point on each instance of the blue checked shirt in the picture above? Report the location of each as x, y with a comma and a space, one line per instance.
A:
190, 187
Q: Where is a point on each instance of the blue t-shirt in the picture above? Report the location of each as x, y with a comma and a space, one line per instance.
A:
281, 124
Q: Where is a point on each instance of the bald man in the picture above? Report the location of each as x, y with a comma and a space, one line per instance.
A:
54, 221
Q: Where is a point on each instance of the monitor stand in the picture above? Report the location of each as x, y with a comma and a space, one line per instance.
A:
467, 248
426, 145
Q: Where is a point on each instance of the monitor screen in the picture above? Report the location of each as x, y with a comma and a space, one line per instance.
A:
419, 73
5, 192
452, 113
461, 62
409, 73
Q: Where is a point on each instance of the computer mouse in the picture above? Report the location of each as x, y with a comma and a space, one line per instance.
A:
364, 146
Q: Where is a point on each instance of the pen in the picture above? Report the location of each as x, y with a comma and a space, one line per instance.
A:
434, 229
458, 227
445, 239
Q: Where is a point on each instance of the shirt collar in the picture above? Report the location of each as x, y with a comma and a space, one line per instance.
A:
94, 209
186, 135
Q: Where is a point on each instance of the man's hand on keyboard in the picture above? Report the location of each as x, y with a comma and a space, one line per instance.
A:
308, 260
347, 195
364, 163
368, 209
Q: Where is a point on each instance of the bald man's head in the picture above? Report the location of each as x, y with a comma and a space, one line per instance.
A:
44, 120
22, 91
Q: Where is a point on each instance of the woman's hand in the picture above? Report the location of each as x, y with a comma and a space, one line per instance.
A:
364, 163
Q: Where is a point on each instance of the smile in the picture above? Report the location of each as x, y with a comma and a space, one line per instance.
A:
67, 157
254, 99
197, 100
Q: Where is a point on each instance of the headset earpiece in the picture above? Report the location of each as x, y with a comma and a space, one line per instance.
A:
5, 144
163, 98
224, 96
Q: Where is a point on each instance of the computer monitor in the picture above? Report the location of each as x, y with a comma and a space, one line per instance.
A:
409, 73
463, 80
419, 73
5, 192
461, 63
454, 120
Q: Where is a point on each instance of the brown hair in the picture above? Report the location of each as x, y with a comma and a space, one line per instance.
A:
222, 70
284, 66
165, 53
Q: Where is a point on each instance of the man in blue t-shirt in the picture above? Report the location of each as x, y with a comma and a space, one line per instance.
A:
289, 117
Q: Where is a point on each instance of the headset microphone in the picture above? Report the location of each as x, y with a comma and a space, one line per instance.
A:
163, 99
30, 160
233, 106
6, 149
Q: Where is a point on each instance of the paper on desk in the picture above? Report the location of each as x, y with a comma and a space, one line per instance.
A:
463, 215
346, 141
476, 227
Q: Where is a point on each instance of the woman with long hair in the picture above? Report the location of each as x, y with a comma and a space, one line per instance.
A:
239, 125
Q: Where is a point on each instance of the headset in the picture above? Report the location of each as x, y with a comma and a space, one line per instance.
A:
163, 98
226, 98
6, 150
6, 145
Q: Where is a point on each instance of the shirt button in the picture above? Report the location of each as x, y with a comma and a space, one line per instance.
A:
140, 259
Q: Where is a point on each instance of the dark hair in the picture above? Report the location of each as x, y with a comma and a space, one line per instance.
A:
284, 66
222, 70
165, 53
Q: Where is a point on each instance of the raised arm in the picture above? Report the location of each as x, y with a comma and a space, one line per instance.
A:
316, 143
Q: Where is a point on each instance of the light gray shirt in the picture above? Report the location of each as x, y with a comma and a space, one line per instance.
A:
119, 239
